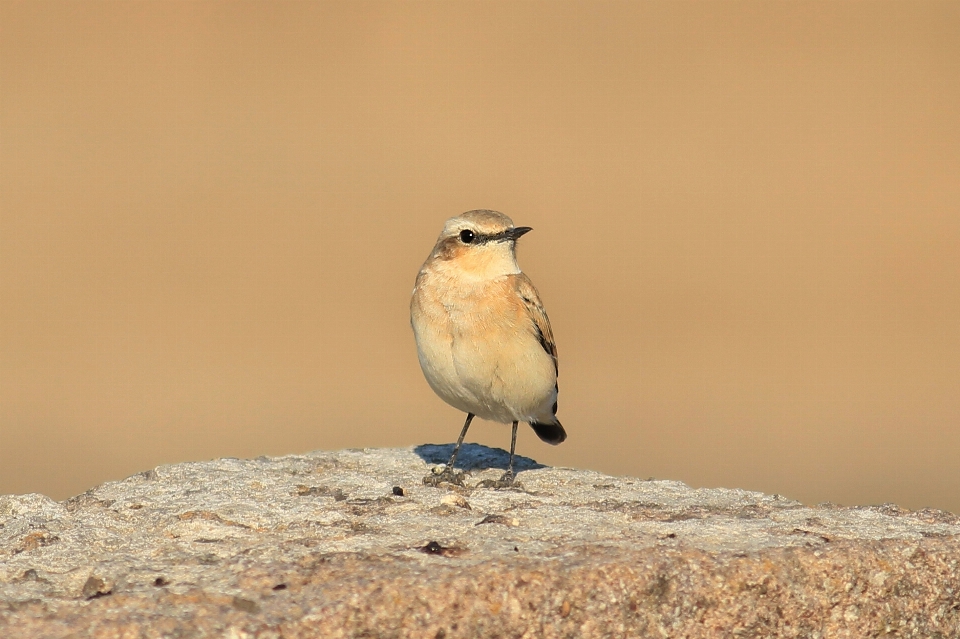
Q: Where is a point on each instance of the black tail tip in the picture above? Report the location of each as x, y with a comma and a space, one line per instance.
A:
550, 433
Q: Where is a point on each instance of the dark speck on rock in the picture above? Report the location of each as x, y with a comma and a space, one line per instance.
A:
433, 548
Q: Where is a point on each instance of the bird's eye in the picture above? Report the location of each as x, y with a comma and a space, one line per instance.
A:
467, 236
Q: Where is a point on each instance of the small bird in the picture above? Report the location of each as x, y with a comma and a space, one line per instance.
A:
483, 339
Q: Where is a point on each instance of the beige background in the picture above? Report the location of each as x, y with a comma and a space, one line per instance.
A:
747, 232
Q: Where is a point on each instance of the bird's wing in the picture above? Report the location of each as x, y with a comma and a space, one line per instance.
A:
534, 307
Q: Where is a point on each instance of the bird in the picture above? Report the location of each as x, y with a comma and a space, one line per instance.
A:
483, 338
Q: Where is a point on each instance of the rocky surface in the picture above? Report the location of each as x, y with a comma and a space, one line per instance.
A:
352, 544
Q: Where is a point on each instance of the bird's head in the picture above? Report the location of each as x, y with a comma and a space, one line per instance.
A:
479, 244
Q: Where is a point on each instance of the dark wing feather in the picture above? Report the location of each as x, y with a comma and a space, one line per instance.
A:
541, 324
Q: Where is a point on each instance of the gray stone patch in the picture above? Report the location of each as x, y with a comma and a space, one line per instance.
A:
342, 543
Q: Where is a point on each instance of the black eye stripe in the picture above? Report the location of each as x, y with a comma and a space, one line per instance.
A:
470, 237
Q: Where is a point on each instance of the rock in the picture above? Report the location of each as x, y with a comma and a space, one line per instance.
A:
352, 543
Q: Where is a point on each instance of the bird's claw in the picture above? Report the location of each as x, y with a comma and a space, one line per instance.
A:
443, 475
507, 480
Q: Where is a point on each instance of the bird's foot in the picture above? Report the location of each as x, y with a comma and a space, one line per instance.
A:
443, 474
507, 480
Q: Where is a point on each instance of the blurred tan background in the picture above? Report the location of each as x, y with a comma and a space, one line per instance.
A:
747, 232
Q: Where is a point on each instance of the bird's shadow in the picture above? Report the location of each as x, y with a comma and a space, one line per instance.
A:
474, 457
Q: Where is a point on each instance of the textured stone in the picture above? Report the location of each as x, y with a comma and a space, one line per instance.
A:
352, 544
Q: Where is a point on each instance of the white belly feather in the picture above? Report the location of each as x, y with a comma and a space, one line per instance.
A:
492, 367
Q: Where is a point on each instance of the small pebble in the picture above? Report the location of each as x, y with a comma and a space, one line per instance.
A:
455, 500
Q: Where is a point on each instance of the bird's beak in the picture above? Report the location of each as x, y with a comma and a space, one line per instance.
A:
514, 234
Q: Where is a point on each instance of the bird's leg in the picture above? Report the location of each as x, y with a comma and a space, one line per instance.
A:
448, 474
456, 449
507, 478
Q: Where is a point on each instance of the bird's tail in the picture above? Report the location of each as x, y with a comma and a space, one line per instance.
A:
550, 433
